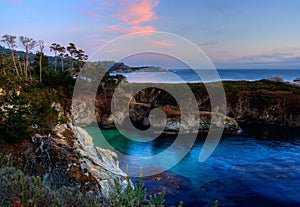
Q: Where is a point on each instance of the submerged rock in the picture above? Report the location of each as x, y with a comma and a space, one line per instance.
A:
172, 182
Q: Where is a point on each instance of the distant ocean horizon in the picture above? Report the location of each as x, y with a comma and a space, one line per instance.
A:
190, 76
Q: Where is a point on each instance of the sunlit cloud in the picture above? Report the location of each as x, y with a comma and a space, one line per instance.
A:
162, 43
15, 1
92, 14
127, 30
276, 56
137, 11
74, 28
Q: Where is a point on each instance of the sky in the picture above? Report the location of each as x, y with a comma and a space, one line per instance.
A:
233, 34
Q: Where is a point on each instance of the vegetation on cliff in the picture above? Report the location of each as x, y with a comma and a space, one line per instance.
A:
40, 164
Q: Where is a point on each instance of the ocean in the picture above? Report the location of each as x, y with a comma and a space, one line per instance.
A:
189, 75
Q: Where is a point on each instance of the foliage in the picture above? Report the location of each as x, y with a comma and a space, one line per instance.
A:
132, 195
15, 118
27, 107
260, 101
59, 80
135, 195
18, 189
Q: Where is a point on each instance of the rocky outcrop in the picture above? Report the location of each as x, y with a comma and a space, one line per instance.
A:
139, 114
296, 82
122, 68
266, 102
266, 107
101, 164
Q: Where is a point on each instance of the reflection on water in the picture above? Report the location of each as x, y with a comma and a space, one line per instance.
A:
241, 172
270, 132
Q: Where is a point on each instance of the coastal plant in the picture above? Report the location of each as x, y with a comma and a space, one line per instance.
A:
67, 196
157, 201
20, 190
131, 195
135, 195
17, 189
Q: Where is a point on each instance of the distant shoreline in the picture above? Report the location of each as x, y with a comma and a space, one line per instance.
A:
190, 76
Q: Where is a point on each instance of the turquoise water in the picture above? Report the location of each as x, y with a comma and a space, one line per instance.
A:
242, 171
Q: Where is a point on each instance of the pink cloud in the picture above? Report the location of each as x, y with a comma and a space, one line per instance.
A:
74, 28
162, 43
137, 11
15, 1
92, 14
127, 30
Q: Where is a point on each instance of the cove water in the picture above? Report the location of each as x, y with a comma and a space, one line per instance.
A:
242, 171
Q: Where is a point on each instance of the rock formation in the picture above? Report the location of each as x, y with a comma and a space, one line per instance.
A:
101, 164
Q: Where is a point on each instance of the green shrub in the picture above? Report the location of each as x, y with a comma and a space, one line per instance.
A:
18, 189
135, 195
260, 101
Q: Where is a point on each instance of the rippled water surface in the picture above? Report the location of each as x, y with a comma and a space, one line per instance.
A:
242, 171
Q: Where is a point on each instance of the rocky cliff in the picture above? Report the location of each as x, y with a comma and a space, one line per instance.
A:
67, 158
102, 164
265, 102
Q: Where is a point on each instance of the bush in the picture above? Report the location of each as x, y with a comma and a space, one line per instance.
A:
20, 190
260, 101
135, 195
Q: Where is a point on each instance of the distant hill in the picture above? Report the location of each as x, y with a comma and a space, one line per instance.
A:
113, 67
122, 68
51, 59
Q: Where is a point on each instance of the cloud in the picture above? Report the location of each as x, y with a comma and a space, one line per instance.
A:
162, 43
92, 14
15, 1
137, 11
283, 58
74, 28
127, 30
208, 43
277, 56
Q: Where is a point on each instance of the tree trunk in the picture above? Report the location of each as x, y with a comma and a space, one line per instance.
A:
14, 61
62, 64
26, 63
41, 57
55, 61
20, 66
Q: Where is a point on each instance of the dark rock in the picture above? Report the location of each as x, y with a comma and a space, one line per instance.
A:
296, 80
276, 79
173, 183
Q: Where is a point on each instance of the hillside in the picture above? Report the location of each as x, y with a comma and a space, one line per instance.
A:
122, 68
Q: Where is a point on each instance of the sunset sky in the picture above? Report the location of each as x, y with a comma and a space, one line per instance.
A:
234, 34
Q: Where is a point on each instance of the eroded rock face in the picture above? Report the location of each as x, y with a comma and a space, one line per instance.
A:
139, 113
101, 163
174, 123
267, 107
253, 106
